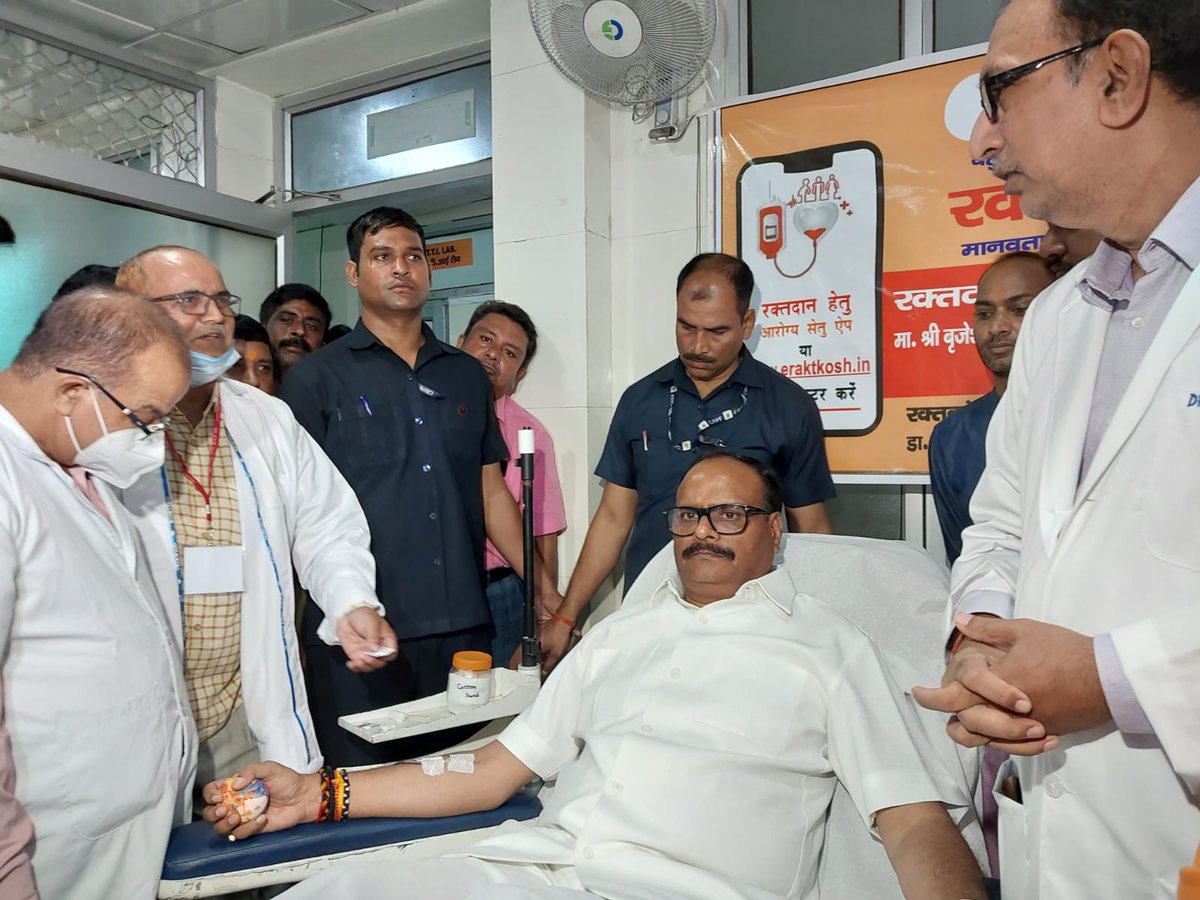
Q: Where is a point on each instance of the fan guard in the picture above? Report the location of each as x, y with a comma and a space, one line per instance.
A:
627, 52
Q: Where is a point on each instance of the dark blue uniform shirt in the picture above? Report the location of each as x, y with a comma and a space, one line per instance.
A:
779, 424
412, 443
956, 460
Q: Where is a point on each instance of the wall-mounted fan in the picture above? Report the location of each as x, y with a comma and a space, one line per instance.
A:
627, 52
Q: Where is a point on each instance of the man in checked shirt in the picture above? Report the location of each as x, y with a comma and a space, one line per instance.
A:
246, 497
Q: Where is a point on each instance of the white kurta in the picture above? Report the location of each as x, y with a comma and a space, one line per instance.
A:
1106, 815
297, 515
697, 750
94, 696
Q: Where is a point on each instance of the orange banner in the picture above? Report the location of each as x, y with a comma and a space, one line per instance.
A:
867, 225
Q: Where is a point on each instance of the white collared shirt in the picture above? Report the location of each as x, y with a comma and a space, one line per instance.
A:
697, 749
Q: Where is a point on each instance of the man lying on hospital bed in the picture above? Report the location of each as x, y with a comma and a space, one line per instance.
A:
697, 739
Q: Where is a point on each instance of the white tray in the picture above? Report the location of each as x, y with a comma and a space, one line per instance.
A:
512, 692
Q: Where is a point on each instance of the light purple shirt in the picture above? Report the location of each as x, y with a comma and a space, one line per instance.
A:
1137, 310
16, 831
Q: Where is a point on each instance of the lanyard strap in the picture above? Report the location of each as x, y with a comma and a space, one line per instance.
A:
166, 485
285, 609
704, 424
204, 491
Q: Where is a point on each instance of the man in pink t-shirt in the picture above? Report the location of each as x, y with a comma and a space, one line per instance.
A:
503, 338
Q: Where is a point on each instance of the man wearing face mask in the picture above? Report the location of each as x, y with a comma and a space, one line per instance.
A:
96, 738
245, 501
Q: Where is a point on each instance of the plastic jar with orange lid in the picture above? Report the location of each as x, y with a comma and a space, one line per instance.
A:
470, 682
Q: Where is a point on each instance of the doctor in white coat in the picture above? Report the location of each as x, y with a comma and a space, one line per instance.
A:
94, 700
292, 512
1088, 514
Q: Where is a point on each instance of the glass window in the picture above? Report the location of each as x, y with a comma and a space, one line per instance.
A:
795, 42
68, 100
960, 23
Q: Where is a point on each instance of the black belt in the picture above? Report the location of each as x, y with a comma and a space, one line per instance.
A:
498, 574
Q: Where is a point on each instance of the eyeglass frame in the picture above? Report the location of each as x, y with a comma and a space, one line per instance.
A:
233, 300
705, 512
991, 86
147, 430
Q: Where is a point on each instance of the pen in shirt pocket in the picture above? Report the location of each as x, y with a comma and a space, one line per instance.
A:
645, 441
365, 405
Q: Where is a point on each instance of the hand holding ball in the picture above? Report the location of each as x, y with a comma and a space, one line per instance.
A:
249, 803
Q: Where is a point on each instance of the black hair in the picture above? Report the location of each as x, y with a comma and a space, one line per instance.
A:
1172, 31
247, 328
293, 291
336, 332
772, 489
91, 275
375, 221
733, 268
512, 312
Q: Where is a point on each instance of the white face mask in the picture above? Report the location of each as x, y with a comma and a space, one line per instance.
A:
207, 369
118, 457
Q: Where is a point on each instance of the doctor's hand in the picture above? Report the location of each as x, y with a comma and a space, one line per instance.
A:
1053, 666
295, 798
364, 636
984, 708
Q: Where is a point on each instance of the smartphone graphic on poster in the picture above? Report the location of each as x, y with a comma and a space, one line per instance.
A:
810, 226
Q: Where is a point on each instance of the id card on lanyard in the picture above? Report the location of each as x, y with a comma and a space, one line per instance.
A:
211, 569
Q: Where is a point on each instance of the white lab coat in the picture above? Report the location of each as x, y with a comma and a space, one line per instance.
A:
1106, 815
94, 697
313, 522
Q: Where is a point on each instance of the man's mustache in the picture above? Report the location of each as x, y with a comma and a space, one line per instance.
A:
699, 358
294, 342
705, 547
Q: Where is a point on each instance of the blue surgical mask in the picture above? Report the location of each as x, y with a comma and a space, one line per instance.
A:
207, 369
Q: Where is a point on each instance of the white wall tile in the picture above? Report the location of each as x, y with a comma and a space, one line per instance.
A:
537, 166
243, 174
643, 308
245, 120
653, 185
514, 42
597, 168
548, 278
598, 316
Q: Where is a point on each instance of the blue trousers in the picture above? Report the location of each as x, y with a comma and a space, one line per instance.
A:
506, 599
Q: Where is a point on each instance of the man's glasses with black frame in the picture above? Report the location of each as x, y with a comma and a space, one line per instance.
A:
725, 518
991, 86
133, 417
195, 303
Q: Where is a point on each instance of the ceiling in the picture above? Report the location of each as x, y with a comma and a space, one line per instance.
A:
198, 34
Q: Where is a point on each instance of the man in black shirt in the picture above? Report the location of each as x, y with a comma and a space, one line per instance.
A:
410, 423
